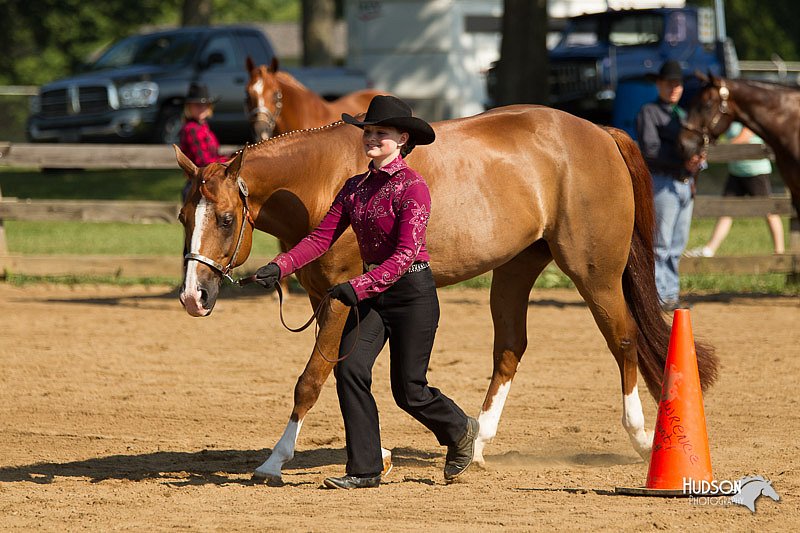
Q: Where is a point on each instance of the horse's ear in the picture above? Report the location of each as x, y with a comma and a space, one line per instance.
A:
235, 166
185, 163
273, 67
249, 64
702, 77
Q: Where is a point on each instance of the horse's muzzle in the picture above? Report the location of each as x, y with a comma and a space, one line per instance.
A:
199, 301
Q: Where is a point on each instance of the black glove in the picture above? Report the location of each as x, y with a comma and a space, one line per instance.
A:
268, 275
345, 293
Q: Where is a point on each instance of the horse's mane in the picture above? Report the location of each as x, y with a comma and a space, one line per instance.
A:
287, 79
294, 133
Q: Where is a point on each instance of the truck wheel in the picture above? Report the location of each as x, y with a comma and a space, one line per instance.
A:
169, 126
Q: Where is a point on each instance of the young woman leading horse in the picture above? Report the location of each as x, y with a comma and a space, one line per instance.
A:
277, 103
535, 184
394, 299
771, 111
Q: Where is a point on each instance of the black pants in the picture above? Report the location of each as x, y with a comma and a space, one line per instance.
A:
406, 315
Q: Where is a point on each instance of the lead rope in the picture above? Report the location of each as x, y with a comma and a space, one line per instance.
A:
315, 315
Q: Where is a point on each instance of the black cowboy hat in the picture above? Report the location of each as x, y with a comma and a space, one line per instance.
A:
198, 93
670, 70
387, 110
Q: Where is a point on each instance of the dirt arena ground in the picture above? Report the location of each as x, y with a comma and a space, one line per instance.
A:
119, 411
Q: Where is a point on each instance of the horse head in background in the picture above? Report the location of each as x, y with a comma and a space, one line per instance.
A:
277, 102
771, 111
263, 99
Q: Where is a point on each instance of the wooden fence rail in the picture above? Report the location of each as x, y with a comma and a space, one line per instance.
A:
92, 156
163, 157
156, 156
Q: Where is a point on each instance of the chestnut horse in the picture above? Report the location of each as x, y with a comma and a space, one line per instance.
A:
771, 111
277, 103
512, 190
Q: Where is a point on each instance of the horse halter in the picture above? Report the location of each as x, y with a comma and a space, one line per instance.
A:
224, 271
263, 114
722, 109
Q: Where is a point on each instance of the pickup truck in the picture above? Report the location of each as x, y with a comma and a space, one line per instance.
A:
600, 66
133, 91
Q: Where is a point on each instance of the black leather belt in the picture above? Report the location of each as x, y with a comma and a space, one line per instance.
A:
417, 266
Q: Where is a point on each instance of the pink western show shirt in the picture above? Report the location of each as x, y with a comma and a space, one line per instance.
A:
389, 210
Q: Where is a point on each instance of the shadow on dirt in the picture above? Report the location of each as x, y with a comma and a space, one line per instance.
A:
216, 467
603, 460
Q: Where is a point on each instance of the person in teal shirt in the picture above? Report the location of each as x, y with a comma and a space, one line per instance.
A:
748, 177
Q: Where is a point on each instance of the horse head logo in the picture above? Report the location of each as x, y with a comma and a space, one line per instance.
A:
751, 488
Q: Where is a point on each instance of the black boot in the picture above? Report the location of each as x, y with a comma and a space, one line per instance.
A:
352, 482
459, 456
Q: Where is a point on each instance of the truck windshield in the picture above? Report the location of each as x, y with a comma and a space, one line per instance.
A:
636, 30
633, 29
164, 49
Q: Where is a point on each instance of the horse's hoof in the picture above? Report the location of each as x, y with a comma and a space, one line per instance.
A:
270, 479
387, 466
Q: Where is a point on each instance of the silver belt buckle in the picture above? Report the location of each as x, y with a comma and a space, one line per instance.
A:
418, 267
415, 267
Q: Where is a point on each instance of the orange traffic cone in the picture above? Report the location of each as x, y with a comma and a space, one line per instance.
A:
680, 445
680, 453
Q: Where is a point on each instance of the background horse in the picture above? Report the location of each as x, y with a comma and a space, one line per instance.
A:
512, 190
277, 103
771, 111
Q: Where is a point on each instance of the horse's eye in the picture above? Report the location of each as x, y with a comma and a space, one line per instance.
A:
181, 218
226, 220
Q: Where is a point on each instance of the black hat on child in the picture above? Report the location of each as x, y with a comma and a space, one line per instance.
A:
671, 70
387, 110
198, 93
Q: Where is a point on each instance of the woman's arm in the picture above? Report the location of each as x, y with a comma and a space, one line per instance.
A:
318, 241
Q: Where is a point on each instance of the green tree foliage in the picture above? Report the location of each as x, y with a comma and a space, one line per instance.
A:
43, 40
230, 11
761, 29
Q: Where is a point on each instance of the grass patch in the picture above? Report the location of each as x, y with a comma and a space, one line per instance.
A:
749, 283
85, 238
21, 280
748, 236
154, 185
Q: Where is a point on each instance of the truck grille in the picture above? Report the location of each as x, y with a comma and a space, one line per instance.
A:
572, 81
75, 100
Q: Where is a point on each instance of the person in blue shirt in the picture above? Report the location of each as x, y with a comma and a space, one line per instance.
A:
748, 177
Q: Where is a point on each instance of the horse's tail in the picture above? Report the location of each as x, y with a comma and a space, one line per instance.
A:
639, 284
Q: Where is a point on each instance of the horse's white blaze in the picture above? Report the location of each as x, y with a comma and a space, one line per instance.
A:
191, 297
489, 420
633, 422
282, 452
258, 87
